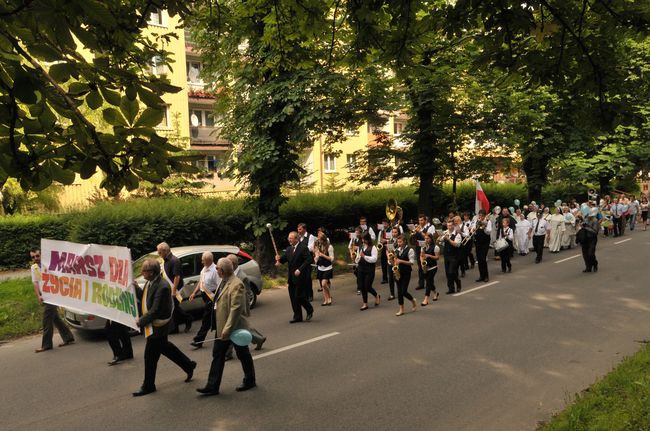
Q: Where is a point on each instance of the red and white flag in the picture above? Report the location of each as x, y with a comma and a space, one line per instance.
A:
482, 202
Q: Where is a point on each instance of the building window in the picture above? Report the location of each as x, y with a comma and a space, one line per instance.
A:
158, 67
398, 126
208, 163
201, 118
330, 163
351, 160
352, 132
156, 17
165, 124
194, 72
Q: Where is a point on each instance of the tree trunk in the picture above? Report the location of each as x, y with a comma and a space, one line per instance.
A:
425, 194
535, 167
268, 208
603, 182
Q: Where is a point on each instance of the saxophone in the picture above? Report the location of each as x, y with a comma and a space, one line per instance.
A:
394, 265
423, 260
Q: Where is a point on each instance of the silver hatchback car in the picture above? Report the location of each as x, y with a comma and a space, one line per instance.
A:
190, 257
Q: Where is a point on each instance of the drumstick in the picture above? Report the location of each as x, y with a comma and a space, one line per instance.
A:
269, 226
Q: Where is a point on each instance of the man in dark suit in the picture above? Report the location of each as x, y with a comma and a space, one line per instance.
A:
299, 261
155, 322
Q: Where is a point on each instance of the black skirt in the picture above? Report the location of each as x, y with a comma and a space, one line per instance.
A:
324, 275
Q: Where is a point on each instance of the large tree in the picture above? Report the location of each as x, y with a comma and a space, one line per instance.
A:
285, 77
60, 60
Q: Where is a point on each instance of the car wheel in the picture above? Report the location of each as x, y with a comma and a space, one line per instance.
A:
251, 297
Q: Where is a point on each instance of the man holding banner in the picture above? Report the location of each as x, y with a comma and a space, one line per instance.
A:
51, 316
157, 309
172, 272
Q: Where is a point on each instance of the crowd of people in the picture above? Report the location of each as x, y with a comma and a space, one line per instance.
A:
463, 242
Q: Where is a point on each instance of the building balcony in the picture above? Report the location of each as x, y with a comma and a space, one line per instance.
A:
207, 139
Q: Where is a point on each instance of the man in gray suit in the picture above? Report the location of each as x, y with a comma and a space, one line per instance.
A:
157, 308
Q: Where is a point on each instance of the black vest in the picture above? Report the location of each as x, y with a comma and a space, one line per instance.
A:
365, 266
431, 249
448, 250
480, 237
404, 255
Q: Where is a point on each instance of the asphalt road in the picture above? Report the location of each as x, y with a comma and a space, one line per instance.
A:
502, 357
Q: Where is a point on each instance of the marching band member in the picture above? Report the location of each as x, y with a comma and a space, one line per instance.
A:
392, 243
506, 233
324, 256
423, 227
494, 215
363, 224
383, 254
404, 259
353, 246
482, 240
430, 253
538, 233
451, 251
366, 263
466, 257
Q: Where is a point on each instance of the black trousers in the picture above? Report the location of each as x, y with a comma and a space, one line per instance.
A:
384, 264
451, 271
589, 254
505, 257
119, 339
180, 316
421, 274
481, 259
299, 300
538, 246
206, 320
429, 284
403, 287
51, 319
219, 359
156, 346
364, 283
391, 281
618, 226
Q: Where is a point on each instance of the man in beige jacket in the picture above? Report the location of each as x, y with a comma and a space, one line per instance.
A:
231, 311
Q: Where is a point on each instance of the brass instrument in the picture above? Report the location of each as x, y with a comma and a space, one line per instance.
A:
441, 239
394, 214
423, 259
379, 244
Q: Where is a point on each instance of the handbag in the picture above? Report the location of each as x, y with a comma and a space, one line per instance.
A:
501, 244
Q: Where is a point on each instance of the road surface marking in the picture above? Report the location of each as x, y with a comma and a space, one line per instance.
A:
568, 258
622, 241
476, 288
293, 346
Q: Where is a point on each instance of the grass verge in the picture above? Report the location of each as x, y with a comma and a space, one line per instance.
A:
20, 313
618, 402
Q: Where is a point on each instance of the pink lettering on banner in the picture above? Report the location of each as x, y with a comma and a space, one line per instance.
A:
119, 271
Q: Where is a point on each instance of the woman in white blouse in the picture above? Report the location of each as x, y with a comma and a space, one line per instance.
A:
508, 235
366, 263
324, 256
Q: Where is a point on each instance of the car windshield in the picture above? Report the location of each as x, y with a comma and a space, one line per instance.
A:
137, 265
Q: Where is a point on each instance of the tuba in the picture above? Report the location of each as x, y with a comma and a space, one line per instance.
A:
394, 212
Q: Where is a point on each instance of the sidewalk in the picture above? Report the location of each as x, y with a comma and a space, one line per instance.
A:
14, 273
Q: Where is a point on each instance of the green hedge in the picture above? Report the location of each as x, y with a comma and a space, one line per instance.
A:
140, 224
20, 233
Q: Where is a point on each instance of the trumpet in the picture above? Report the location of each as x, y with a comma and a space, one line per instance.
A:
441, 239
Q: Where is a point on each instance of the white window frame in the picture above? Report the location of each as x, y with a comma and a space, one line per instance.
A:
158, 69
397, 131
204, 163
351, 162
162, 17
165, 124
188, 66
329, 163
203, 117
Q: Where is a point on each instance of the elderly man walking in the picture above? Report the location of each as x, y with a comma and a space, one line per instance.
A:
208, 283
299, 261
155, 321
172, 272
230, 306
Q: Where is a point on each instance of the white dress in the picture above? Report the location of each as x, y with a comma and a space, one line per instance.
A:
569, 235
521, 236
557, 230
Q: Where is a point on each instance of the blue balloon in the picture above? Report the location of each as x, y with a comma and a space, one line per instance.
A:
241, 337
517, 202
584, 210
512, 210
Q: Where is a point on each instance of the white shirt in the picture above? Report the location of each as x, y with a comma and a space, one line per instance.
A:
411, 254
365, 228
507, 233
543, 226
373, 255
36, 274
210, 278
328, 265
436, 252
457, 237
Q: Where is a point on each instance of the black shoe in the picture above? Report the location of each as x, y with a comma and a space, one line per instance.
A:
479, 279
245, 386
458, 289
258, 346
197, 345
174, 331
114, 361
486, 279
295, 321
586, 270
188, 326
207, 391
358, 292
309, 316
391, 297
538, 260
190, 373
419, 288
503, 270
449, 292
510, 269
462, 274
596, 268
144, 391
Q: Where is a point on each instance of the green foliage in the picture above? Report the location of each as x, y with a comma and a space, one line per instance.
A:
20, 233
618, 402
142, 224
46, 83
20, 313
15, 200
